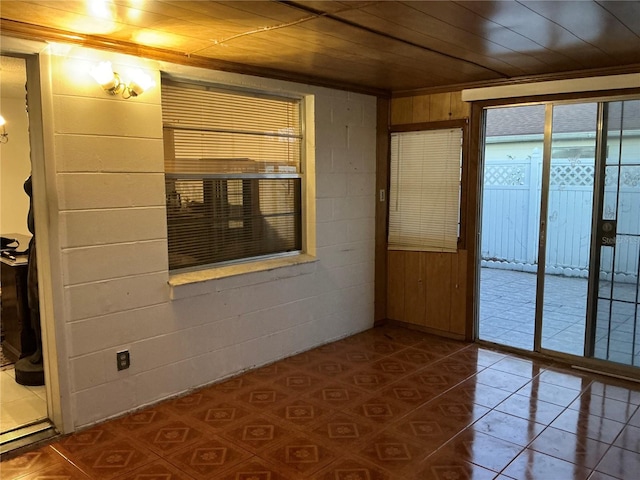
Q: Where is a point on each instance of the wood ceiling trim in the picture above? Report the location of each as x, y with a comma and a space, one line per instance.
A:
38, 33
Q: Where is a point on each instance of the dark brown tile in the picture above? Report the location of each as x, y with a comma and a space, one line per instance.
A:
142, 419
507, 427
209, 458
30, 463
255, 469
264, 396
532, 464
368, 379
221, 415
408, 392
301, 413
337, 395
352, 468
445, 466
565, 379
88, 439
393, 366
301, 455
453, 410
588, 426
229, 388
604, 407
626, 392
169, 437
117, 458
530, 408
517, 366
415, 356
345, 431
60, 471
257, 433
159, 470
548, 392
629, 438
620, 463
186, 404
584, 452
329, 368
379, 409
480, 449
501, 380
472, 391
392, 452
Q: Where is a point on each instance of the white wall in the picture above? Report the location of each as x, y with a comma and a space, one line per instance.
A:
15, 166
108, 158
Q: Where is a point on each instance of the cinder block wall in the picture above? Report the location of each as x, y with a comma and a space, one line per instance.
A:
109, 205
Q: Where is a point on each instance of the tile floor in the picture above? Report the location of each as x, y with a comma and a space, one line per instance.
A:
19, 405
386, 404
507, 315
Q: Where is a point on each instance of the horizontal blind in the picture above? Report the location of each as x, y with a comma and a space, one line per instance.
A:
232, 175
424, 194
211, 131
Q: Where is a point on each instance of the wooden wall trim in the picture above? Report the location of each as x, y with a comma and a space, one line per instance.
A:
382, 210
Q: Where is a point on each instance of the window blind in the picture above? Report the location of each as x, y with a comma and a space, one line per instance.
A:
424, 194
232, 175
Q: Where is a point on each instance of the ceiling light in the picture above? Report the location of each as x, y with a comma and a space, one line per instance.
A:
4, 136
111, 82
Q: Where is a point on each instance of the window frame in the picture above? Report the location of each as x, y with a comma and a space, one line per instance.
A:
305, 175
463, 124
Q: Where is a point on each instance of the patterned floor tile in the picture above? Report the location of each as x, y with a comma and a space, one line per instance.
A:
114, 459
169, 436
393, 453
30, 462
446, 467
368, 379
337, 395
301, 413
159, 470
257, 433
264, 396
60, 471
345, 431
143, 419
301, 455
88, 439
256, 469
352, 468
221, 415
209, 458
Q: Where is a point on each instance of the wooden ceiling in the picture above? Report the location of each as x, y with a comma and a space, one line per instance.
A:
372, 46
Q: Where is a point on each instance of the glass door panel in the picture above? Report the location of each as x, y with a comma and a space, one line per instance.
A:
569, 213
616, 336
510, 224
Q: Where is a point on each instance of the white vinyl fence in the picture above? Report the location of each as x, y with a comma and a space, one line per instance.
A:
511, 211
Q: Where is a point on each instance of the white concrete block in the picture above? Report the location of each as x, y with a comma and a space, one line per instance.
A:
331, 185
324, 209
82, 153
103, 262
110, 296
354, 207
346, 254
110, 190
360, 229
103, 332
346, 113
361, 184
106, 117
161, 383
88, 371
100, 227
332, 233
107, 400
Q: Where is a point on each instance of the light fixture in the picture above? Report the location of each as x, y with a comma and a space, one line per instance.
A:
111, 82
4, 136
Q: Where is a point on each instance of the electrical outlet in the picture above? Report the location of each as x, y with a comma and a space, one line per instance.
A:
122, 359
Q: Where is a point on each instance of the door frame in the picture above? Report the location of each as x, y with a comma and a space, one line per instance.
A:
595, 365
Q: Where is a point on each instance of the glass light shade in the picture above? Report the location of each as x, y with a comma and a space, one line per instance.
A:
2, 121
103, 74
140, 82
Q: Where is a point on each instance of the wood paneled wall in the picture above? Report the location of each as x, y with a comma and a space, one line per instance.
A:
431, 290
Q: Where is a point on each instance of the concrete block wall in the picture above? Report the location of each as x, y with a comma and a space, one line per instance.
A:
108, 160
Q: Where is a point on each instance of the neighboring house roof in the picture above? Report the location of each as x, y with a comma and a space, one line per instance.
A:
527, 120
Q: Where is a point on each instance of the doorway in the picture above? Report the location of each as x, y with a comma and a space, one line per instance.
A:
560, 229
23, 404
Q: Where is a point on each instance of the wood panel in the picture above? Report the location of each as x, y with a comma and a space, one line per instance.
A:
395, 285
433, 290
439, 282
382, 185
415, 299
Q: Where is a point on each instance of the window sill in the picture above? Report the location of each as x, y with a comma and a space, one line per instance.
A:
202, 282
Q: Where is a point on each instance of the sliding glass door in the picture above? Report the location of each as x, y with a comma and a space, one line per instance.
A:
560, 231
